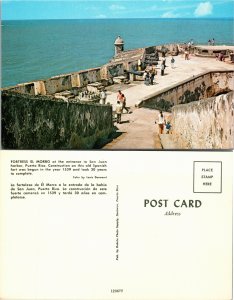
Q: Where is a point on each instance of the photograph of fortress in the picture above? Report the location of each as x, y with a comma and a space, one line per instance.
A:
193, 90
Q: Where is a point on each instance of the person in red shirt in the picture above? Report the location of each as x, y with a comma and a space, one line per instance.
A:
122, 99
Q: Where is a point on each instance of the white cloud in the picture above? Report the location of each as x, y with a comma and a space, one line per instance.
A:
171, 7
203, 9
169, 14
116, 7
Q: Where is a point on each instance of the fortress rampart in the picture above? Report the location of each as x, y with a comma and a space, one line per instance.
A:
65, 82
126, 60
39, 122
192, 89
205, 124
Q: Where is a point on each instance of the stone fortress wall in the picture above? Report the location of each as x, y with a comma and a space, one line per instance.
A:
40, 122
82, 78
34, 118
123, 61
195, 88
205, 124
65, 82
202, 112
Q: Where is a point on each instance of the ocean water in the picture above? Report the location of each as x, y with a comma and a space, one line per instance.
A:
39, 49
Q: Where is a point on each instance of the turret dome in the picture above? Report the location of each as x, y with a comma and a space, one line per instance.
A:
119, 41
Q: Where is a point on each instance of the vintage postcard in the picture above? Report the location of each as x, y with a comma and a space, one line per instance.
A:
116, 225
116, 155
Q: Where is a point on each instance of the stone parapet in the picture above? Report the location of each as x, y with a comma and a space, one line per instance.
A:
192, 89
111, 70
212, 51
126, 60
42, 122
205, 124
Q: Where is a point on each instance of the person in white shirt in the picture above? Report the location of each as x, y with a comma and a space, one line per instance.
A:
161, 122
118, 110
103, 97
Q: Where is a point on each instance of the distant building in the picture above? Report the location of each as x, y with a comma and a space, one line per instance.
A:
119, 45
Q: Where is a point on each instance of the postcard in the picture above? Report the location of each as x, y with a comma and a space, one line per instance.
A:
116, 225
116, 154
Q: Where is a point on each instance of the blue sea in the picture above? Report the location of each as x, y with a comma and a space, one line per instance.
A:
38, 49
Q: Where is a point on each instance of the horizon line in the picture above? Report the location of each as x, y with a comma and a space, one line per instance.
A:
158, 18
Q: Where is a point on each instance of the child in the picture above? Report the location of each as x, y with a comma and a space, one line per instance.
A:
168, 127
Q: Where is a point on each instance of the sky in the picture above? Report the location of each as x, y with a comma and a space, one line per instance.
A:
88, 9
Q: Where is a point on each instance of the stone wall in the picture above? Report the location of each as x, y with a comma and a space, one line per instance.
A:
64, 82
58, 83
25, 88
205, 124
222, 82
172, 48
192, 89
112, 70
41, 122
212, 51
88, 76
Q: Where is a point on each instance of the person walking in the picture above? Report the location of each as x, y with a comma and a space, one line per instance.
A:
162, 69
161, 122
122, 99
186, 54
119, 95
118, 111
172, 62
123, 102
152, 74
103, 97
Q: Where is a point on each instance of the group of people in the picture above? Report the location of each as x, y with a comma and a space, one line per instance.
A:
151, 72
162, 122
149, 76
190, 43
211, 42
120, 106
